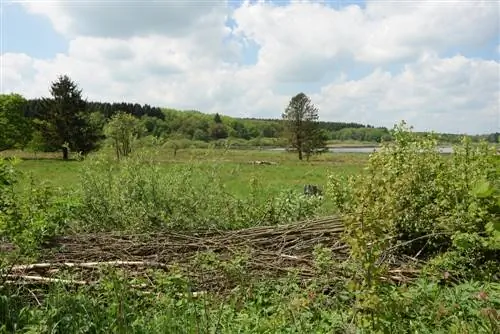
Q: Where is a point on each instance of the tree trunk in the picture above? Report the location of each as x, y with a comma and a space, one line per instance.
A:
300, 154
65, 153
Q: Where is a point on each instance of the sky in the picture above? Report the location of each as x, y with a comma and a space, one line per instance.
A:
434, 64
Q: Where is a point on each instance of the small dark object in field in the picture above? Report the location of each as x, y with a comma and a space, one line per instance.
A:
263, 162
312, 190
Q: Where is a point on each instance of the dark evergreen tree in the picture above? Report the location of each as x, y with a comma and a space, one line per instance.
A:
217, 119
64, 120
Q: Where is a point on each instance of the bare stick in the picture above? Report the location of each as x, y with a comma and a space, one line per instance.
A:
88, 265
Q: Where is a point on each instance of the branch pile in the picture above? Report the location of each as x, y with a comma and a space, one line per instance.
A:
296, 239
268, 251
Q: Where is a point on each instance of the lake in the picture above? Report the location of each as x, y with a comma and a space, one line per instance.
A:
364, 149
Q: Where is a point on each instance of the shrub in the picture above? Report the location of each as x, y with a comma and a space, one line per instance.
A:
138, 194
28, 218
123, 130
414, 201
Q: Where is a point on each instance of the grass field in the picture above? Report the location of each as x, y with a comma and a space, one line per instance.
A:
234, 166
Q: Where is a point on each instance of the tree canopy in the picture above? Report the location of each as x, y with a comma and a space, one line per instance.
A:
122, 130
67, 121
64, 118
15, 128
302, 129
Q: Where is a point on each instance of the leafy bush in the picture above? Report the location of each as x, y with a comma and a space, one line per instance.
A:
8, 177
123, 130
427, 307
27, 219
137, 194
414, 201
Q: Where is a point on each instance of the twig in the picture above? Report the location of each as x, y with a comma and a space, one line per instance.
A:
390, 249
88, 265
34, 296
44, 280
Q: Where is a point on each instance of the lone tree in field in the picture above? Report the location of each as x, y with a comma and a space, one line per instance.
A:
301, 126
64, 121
123, 129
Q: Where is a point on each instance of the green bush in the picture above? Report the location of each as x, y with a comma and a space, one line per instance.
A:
137, 194
271, 306
414, 201
28, 218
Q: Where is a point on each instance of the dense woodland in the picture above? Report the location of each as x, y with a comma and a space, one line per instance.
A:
40, 124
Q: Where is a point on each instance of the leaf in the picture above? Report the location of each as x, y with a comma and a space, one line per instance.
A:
482, 189
493, 226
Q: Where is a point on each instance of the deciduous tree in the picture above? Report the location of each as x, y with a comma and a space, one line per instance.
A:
123, 129
15, 128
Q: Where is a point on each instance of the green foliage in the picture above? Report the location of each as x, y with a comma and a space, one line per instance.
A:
64, 121
218, 131
123, 129
459, 193
8, 177
16, 129
302, 130
200, 135
37, 142
217, 119
271, 306
8, 205
28, 219
138, 195
368, 134
93, 132
414, 201
154, 126
426, 307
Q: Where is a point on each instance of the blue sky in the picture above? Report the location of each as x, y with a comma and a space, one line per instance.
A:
31, 34
349, 59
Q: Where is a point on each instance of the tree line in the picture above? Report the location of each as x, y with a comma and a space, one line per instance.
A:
66, 121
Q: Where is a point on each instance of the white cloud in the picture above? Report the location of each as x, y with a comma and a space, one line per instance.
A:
16, 67
308, 33
122, 19
454, 94
196, 64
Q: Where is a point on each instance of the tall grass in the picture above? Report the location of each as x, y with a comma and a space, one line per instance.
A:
137, 194
271, 306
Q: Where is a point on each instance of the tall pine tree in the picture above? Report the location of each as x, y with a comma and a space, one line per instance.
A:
64, 120
301, 126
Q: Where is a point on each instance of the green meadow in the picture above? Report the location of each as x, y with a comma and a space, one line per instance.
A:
236, 168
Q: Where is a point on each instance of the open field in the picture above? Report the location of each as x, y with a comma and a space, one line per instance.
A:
234, 167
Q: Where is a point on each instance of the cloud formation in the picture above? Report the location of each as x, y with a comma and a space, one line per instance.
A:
413, 56
123, 19
455, 93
